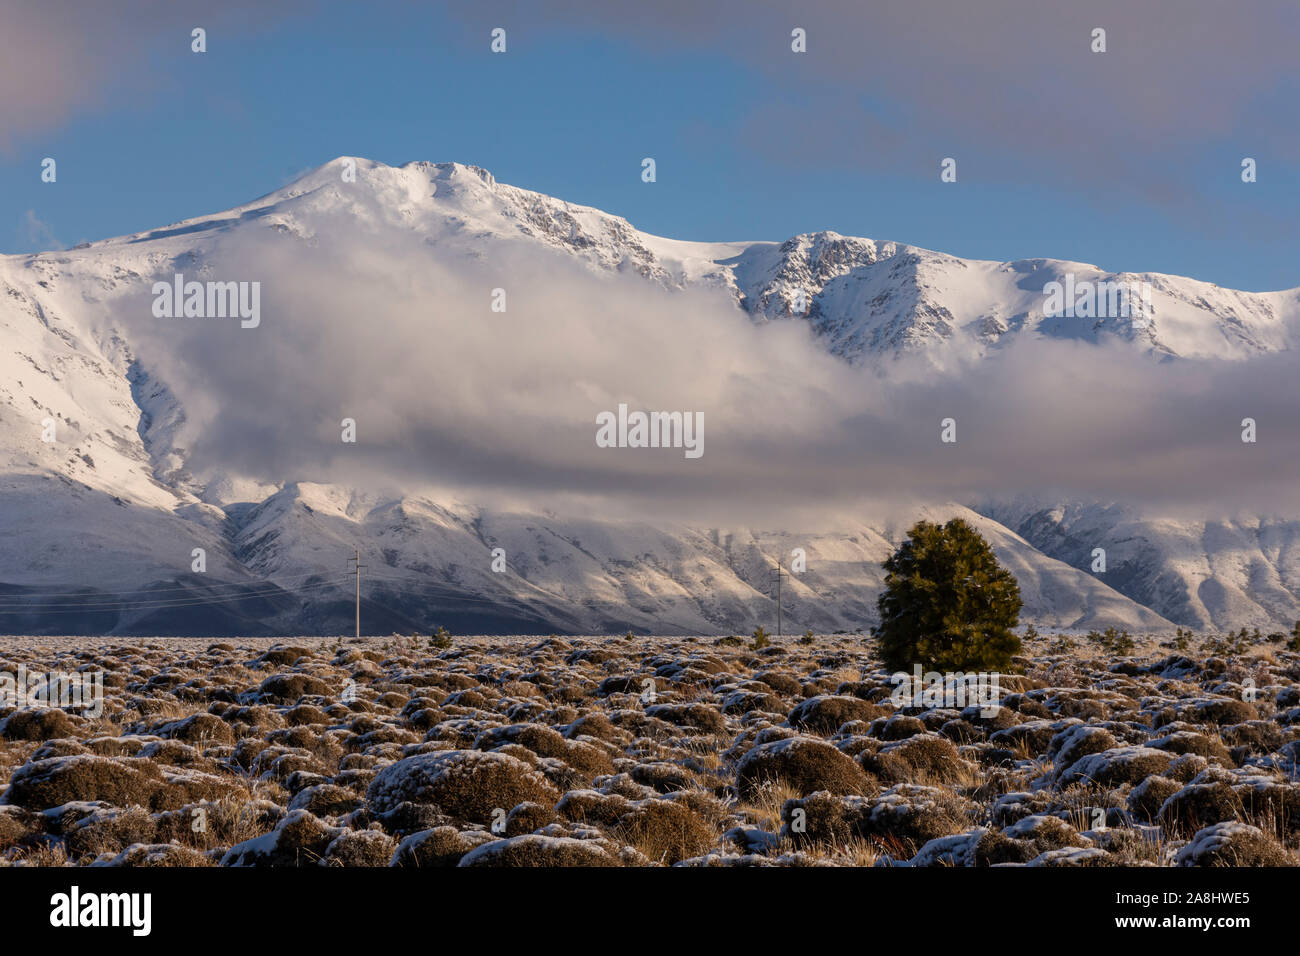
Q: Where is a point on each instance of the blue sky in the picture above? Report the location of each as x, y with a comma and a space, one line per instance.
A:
751, 141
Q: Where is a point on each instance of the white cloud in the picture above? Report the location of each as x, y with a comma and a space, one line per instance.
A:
35, 235
390, 332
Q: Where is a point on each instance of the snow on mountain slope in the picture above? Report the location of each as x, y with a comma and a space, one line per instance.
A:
867, 299
112, 506
1223, 574
425, 559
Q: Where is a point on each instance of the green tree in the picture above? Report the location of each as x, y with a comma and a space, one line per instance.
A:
947, 605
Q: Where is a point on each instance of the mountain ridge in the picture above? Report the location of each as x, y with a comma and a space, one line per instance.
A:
111, 513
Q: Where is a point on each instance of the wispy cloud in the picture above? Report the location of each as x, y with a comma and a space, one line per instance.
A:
69, 56
1010, 88
447, 393
35, 235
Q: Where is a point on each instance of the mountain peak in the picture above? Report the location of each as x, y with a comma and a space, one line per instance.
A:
864, 298
121, 481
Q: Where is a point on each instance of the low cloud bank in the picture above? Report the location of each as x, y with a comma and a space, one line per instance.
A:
503, 405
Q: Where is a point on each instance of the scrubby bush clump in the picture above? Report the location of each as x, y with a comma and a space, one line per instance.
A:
518, 753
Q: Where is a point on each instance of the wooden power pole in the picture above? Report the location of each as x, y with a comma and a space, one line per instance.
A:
357, 569
779, 572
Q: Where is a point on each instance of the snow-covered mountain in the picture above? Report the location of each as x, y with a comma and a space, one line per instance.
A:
98, 527
1206, 574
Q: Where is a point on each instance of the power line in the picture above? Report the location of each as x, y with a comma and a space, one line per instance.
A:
458, 595
108, 604
229, 584
261, 587
91, 603
194, 597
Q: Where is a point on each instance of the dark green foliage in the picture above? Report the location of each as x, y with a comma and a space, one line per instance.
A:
1232, 644
947, 605
1113, 641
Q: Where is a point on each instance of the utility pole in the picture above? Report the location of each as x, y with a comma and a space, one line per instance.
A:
780, 573
357, 561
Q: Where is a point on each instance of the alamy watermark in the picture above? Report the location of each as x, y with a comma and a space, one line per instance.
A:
80, 690
949, 690
208, 300
77, 909
1111, 299
651, 430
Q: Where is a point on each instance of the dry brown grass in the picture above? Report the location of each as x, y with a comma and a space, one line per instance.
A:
763, 808
695, 756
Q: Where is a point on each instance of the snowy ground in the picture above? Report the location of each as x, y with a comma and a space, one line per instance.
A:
516, 751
